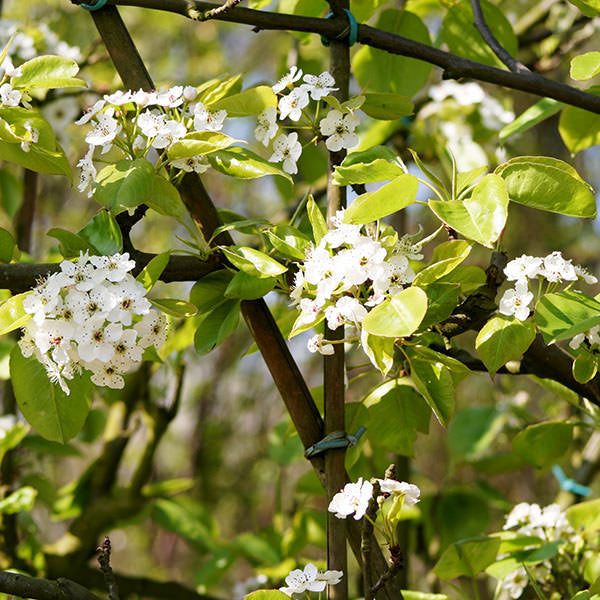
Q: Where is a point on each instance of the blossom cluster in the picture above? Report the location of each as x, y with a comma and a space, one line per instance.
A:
554, 269
309, 580
92, 315
144, 124
354, 497
337, 127
347, 273
549, 524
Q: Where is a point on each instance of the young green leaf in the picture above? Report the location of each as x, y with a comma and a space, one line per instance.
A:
246, 103
446, 257
44, 72
386, 106
317, 221
217, 326
174, 307
247, 287
388, 199
53, 414
103, 233
467, 557
535, 114
503, 339
209, 292
200, 143
399, 315
12, 313
544, 443
153, 270
254, 262
243, 164
585, 66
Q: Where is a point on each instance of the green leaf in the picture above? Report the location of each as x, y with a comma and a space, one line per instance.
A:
243, 164
378, 163
442, 298
387, 107
188, 520
266, 595
535, 114
46, 72
22, 499
168, 487
153, 270
503, 339
434, 381
12, 313
217, 326
469, 277
174, 307
459, 32
199, 143
585, 66
124, 185
254, 262
70, 244
249, 102
103, 234
396, 413
379, 71
548, 184
473, 429
213, 90
7, 246
399, 315
388, 199
289, 241
482, 216
210, 290
11, 192
585, 515
380, 350
446, 257
544, 443
466, 178
564, 314
467, 557
247, 287
590, 8
164, 198
579, 128
317, 220
53, 414
585, 366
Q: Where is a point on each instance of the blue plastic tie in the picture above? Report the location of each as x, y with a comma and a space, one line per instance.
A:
570, 485
351, 31
96, 6
337, 439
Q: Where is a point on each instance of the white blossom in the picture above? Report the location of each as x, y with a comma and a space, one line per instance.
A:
171, 98
410, 491
119, 97
168, 134
315, 344
346, 310
514, 583
106, 129
319, 86
523, 267
8, 96
291, 105
151, 122
516, 301
288, 149
299, 581
288, 79
206, 120
198, 164
91, 112
555, 268
266, 129
34, 135
339, 129
354, 498
152, 329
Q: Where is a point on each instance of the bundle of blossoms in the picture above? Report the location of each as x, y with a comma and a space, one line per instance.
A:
91, 315
549, 524
310, 579
553, 269
346, 274
140, 122
337, 128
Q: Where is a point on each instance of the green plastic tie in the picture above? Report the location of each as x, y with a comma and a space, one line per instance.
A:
351, 31
96, 6
337, 439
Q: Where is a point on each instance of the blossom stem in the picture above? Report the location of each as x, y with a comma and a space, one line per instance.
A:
383, 533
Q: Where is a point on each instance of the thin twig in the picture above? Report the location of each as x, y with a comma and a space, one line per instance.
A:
220, 10
512, 63
109, 576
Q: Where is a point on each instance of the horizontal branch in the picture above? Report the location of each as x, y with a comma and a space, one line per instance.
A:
454, 67
20, 277
15, 584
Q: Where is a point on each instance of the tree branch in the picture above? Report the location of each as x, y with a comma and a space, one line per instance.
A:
513, 64
455, 67
23, 586
21, 277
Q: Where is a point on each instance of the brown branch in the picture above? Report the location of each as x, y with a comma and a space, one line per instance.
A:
21, 277
43, 589
513, 64
25, 215
109, 575
334, 365
455, 67
220, 10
